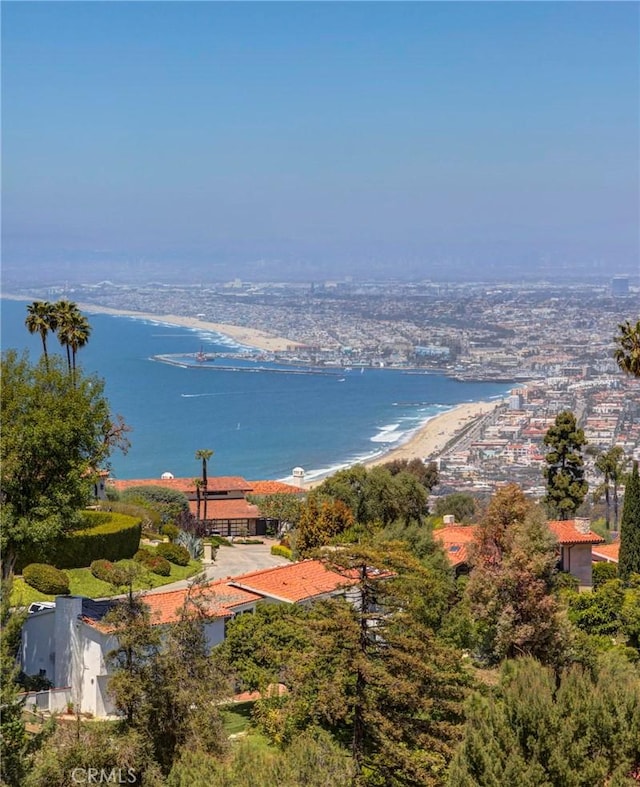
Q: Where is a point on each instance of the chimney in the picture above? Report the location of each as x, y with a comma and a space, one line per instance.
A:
449, 519
298, 476
582, 525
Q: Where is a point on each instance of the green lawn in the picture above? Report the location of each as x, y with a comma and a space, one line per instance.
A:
236, 717
83, 583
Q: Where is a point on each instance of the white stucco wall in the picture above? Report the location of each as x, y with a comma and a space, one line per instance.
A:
37, 647
94, 647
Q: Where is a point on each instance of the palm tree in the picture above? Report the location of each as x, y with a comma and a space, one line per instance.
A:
612, 465
602, 465
627, 353
67, 312
617, 468
41, 318
197, 482
73, 331
204, 454
78, 336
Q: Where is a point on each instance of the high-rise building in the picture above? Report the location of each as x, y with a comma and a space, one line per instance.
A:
619, 286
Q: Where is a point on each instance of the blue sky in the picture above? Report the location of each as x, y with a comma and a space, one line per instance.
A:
318, 138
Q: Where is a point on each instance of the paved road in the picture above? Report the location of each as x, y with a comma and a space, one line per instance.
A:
231, 561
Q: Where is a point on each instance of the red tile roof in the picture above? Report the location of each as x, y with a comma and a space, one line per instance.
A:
233, 508
216, 600
610, 552
186, 485
294, 583
567, 533
456, 540
274, 488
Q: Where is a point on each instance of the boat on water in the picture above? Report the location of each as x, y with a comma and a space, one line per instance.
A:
201, 356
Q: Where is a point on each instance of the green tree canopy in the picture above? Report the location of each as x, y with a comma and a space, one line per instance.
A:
427, 474
164, 681
564, 473
55, 436
169, 504
377, 496
462, 505
538, 729
511, 585
370, 672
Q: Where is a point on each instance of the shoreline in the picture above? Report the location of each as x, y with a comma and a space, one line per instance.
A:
427, 440
248, 337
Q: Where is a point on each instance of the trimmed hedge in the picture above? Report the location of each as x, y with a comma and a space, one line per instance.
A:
47, 579
106, 536
174, 553
282, 551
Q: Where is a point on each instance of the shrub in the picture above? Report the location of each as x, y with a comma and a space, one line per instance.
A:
159, 565
174, 553
47, 579
170, 531
108, 572
602, 572
565, 581
168, 503
151, 520
282, 551
105, 535
152, 562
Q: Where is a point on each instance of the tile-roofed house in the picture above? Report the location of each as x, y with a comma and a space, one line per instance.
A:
215, 484
225, 515
575, 542
227, 510
574, 531
608, 553
456, 541
294, 584
68, 642
275, 488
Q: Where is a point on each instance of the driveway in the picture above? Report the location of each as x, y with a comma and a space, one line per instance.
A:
231, 561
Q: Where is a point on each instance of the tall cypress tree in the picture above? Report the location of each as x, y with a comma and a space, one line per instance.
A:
566, 487
629, 562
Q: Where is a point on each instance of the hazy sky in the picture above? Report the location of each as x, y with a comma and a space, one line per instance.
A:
320, 137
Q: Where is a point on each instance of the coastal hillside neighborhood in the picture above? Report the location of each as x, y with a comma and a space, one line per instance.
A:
67, 642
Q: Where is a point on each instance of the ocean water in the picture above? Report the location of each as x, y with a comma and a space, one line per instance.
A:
260, 425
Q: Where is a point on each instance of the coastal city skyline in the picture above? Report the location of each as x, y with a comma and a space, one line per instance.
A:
304, 141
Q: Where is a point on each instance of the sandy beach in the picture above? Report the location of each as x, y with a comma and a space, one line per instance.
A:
425, 443
241, 334
429, 441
